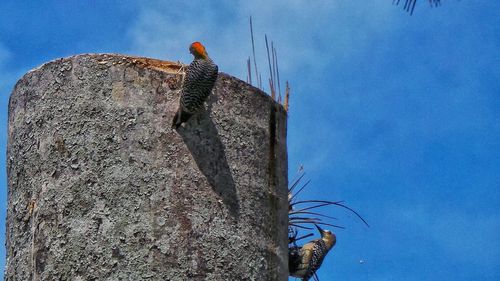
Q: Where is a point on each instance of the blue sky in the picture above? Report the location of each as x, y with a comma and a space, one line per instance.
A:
398, 115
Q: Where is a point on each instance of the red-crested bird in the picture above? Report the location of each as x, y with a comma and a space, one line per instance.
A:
198, 84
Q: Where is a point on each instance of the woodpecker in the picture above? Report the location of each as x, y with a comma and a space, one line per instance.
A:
303, 262
199, 82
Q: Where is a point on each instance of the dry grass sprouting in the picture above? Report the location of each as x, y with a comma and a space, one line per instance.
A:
274, 74
410, 4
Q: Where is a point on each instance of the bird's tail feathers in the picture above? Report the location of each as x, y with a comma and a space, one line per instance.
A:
179, 118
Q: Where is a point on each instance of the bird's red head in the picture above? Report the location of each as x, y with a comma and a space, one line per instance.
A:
198, 50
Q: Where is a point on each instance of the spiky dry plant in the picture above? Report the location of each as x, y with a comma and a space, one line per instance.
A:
305, 259
257, 76
249, 69
286, 103
272, 86
409, 5
303, 214
274, 74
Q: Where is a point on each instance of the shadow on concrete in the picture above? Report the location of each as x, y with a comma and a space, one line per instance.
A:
202, 139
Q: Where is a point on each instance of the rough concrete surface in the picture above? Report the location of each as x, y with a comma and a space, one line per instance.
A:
101, 188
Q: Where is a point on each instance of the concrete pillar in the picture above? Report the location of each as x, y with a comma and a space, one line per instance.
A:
101, 188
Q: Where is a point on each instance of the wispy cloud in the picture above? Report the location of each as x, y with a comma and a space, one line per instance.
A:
462, 236
4, 53
301, 30
4, 56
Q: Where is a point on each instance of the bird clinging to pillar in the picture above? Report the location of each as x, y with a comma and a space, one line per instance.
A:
305, 261
199, 82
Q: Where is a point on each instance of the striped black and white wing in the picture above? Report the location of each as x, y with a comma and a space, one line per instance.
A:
200, 80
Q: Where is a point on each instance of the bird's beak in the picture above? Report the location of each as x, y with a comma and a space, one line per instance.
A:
319, 228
